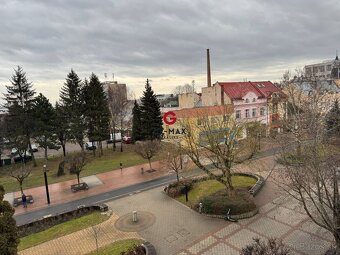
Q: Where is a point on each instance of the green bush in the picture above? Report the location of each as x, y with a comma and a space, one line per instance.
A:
219, 203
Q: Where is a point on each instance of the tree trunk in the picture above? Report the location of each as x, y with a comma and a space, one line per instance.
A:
22, 191
64, 149
46, 153
114, 138
150, 163
32, 153
93, 150
121, 135
101, 148
78, 174
337, 242
177, 175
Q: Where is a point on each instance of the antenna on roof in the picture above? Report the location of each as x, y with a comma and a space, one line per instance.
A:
113, 76
105, 75
336, 56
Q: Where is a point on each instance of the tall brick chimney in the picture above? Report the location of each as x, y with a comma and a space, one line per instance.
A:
208, 69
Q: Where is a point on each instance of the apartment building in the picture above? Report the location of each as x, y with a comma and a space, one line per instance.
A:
328, 69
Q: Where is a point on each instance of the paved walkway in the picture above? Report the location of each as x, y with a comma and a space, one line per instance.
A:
100, 183
83, 241
283, 219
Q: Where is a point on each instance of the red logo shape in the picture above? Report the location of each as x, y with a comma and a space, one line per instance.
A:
170, 118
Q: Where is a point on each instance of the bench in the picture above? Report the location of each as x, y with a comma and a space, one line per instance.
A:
80, 186
18, 200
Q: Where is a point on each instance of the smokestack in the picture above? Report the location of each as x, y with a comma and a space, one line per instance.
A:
208, 69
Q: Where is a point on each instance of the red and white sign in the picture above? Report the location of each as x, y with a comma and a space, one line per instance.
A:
170, 118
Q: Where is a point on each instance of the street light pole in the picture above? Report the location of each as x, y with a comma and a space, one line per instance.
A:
46, 184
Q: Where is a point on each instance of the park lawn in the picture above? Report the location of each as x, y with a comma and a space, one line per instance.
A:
118, 247
61, 230
109, 161
205, 188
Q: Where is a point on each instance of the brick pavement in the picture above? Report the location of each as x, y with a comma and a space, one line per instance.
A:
61, 192
82, 242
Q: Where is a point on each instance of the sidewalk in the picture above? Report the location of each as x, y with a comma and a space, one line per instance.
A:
99, 183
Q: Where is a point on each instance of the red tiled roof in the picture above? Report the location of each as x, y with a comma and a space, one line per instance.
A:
266, 88
237, 90
205, 111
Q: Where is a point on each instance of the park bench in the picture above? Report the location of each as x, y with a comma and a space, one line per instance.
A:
80, 186
18, 200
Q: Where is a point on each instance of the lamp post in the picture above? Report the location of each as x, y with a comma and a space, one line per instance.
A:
46, 184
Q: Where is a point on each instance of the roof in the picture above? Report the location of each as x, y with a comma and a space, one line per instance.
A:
266, 88
237, 90
205, 111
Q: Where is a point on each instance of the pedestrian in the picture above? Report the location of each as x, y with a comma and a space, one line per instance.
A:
24, 200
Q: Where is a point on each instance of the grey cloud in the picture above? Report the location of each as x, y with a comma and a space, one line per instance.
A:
163, 38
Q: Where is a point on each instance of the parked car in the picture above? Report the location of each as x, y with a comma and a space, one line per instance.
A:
14, 151
90, 146
127, 139
118, 138
34, 147
26, 157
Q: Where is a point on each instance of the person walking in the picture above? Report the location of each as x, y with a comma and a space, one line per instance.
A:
24, 200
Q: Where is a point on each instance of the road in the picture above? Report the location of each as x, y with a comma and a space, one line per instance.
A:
111, 195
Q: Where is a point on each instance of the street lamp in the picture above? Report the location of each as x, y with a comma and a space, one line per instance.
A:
46, 184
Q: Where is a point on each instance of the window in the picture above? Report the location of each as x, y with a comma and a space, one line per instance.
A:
275, 108
315, 69
254, 99
247, 100
238, 114
329, 67
262, 111
225, 118
247, 113
322, 68
253, 112
308, 70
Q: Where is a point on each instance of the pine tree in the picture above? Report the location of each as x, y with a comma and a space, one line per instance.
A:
8, 231
71, 100
333, 119
44, 115
61, 126
136, 123
97, 115
151, 118
19, 103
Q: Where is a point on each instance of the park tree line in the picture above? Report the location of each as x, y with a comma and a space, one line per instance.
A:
82, 111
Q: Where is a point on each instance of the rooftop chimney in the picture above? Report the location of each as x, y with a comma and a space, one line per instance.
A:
208, 69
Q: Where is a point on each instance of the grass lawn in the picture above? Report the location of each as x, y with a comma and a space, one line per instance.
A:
118, 247
109, 161
61, 230
205, 188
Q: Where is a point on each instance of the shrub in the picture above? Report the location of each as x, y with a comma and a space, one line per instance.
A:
135, 250
219, 203
272, 247
178, 188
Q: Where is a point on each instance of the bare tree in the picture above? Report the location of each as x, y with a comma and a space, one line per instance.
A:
148, 149
77, 162
95, 232
183, 89
214, 138
118, 104
312, 179
271, 247
20, 172
173, 158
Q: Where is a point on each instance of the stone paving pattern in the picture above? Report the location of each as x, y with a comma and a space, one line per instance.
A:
83, 241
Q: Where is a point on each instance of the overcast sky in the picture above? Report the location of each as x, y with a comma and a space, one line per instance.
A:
163, 40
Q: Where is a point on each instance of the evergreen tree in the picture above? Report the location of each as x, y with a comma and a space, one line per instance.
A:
136, 123
19, 103
44, 115
71, 100
9, 239
97, 115
61, 126
333, 119
151, 118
